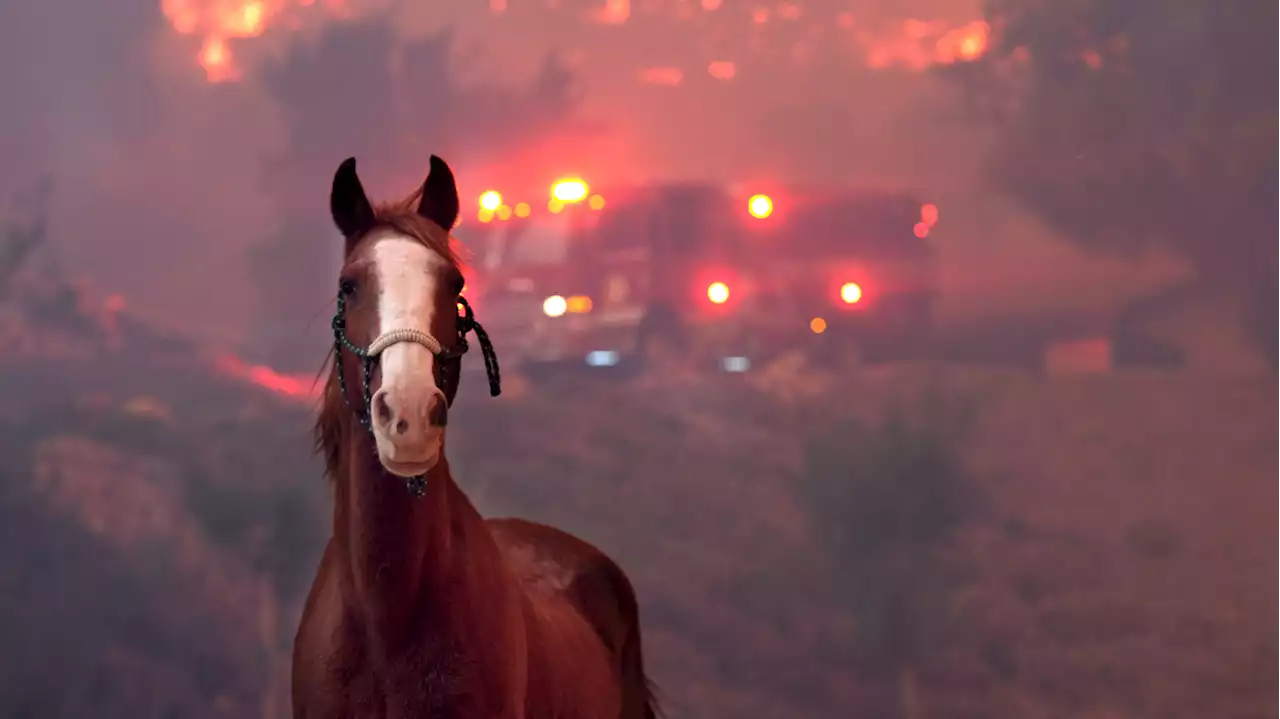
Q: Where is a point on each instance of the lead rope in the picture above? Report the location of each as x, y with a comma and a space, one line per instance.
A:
417, 486
468, 322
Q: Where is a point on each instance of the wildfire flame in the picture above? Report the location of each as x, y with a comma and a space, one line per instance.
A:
295, 387
218, 22
919, 44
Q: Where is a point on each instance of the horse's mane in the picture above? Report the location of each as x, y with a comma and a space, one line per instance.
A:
401, 217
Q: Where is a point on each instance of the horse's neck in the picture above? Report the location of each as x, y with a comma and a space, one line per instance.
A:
408, 556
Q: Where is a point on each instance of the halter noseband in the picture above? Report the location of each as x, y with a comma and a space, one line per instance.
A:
449, 377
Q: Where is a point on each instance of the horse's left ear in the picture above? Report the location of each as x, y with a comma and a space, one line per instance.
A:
439, 195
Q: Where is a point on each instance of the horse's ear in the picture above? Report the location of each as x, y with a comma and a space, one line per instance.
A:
439, 195
351, 210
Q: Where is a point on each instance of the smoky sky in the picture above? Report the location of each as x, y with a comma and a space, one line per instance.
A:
176, 192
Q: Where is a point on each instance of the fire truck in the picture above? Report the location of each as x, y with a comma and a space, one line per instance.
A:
701, 275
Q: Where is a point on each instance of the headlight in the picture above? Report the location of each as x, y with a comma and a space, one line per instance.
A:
554, 306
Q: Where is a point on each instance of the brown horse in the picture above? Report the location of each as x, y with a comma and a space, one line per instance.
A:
421, 608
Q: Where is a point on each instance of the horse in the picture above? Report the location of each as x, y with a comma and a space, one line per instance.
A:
420, 607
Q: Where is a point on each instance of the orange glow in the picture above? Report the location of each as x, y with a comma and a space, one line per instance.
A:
669, 76
569, 190
216, 60
718, 293
929, 214
504, 212
523, 209
614, 12
596, 202
216, 22
578, 304
919, 45
722, 70
485, 215
554, 206
851, 293
301, 386
817, 325
921, 230
760, 206
490, 200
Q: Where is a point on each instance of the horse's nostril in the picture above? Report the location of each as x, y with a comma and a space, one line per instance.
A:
439, 414
402, 427
382, 409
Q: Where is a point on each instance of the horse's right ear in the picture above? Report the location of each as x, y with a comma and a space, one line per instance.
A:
351, 210
439, 195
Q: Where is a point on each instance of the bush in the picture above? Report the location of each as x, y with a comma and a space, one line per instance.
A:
883, 498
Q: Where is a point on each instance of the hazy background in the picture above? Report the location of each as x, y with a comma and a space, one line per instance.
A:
1096, 544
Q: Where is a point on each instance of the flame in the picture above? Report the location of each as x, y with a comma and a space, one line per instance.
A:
614, 12
919, 44
297, 387
722, 70
218, 22
669, 76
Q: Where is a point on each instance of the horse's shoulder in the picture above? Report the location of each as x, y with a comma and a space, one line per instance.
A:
547, 540
553, 564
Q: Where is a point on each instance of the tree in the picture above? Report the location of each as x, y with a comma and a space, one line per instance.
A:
1142, 124
22, 237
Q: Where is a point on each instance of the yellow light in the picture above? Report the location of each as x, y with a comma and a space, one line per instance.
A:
851, 293
522, 209
718, 292
760, 206
817, 325
569, 190
504, 213
554, 306
578, 304
554, 206
596, 202
491, 200
485, 215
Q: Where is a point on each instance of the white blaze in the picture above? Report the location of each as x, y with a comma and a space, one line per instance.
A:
406, 271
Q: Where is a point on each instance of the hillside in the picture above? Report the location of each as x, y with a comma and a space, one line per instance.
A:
1121, 566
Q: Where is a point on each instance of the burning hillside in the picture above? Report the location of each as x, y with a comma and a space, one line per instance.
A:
875, 39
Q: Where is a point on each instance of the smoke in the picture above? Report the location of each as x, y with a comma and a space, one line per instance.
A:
174, 181
360, 90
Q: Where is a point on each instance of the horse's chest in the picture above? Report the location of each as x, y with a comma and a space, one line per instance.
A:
427, 682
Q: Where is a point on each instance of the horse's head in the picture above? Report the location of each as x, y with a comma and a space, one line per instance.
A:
401, 325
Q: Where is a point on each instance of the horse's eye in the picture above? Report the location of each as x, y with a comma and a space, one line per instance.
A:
347, 287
